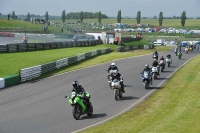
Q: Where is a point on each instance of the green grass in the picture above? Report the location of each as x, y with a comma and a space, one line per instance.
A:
175, 108
11, 63
24, 26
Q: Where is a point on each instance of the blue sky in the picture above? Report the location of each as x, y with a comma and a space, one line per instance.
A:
148, 8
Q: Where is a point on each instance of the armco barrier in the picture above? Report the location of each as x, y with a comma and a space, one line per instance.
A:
12, 80
36, 71
2, 83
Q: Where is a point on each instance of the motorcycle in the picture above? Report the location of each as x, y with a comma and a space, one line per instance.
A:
179, 55
146, 79
168, 61
109, 77
190, 49
162, 65
117, 90
186, 50
155, 72
155, 57
80, 106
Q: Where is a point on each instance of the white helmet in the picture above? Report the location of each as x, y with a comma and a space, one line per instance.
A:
112, 64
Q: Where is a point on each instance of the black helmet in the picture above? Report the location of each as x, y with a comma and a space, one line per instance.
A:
75, 84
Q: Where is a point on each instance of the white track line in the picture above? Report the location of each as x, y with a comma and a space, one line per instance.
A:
138, 102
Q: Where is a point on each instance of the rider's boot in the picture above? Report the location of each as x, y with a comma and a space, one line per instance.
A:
123, 88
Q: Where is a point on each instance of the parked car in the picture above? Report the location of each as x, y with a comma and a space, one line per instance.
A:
184, 44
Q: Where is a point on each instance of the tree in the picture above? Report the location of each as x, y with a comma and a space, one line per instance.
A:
160, 18
47, 17
81, 17
119, 16
183, 18
99, 17
28, 17
63, 17
13, 15
138, 18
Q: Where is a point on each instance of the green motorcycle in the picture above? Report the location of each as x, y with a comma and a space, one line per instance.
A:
80, 106
179, 55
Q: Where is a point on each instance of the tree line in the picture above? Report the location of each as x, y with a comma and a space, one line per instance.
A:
97, 15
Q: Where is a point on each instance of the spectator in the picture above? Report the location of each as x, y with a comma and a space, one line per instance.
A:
62, 29
99, 38
9, 16
116, 40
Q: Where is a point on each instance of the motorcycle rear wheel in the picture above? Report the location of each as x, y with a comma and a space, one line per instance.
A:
90, 112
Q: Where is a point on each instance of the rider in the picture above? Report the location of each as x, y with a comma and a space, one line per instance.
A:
116, 75
163, 59
156, 64
156, 54
112, 67
170, 57
175, 50
25, 39
146, 68
78, 89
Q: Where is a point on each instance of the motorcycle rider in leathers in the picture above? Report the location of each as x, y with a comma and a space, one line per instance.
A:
116, 75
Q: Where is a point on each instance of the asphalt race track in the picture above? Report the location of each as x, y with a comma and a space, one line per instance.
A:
40, 106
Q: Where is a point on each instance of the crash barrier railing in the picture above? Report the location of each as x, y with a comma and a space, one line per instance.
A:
22, 47
27, 74
134, 47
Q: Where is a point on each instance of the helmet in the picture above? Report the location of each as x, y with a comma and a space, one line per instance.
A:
115, 72
75, 84
168, 54
113, 64
146, 66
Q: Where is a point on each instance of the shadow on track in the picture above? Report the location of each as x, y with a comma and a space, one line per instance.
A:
94, 116
161, 78
129, 98
166, 71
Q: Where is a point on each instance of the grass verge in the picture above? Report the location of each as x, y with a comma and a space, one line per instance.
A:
11, 63
175, 108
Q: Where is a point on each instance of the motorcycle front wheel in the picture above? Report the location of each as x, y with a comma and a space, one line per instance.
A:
116, 94
168, 64
77, 111
146, 85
